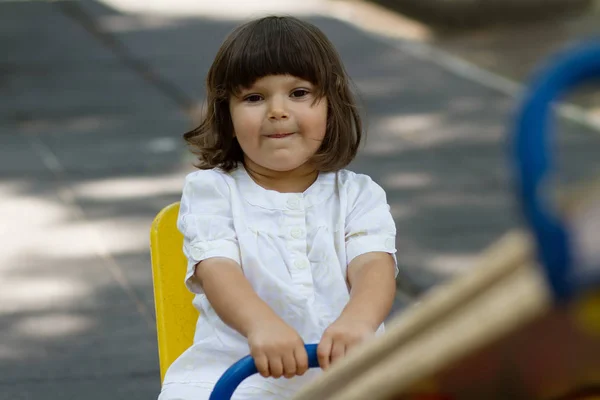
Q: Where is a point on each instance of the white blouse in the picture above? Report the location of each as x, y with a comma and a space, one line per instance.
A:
294, 249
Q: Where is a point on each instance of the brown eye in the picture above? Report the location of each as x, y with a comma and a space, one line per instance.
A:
253, 98
299, 93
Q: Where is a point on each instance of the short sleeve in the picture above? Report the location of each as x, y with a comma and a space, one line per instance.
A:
369, 223
206, 222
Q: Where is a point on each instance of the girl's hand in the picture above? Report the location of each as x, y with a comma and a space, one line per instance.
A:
339, 338
277, 349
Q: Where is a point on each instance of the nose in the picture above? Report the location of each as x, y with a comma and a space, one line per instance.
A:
277, 110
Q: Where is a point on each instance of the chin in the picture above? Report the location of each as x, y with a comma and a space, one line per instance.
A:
285, 166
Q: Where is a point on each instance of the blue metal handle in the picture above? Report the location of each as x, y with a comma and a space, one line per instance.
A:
534, 161
244, 368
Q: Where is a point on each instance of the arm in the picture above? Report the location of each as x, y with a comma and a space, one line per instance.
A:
276, 347
212, 249
372, 291
231, 295
370, 250
372, 288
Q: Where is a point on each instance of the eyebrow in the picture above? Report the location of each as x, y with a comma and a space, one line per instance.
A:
300, 80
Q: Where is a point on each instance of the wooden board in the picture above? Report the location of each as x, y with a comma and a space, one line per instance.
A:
496, 333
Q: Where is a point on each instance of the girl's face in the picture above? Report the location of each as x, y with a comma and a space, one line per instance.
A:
278, 123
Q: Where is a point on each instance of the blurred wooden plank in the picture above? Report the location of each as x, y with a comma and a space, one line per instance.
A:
493, 334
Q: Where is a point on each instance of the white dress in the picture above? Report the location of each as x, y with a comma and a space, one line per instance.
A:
293, 248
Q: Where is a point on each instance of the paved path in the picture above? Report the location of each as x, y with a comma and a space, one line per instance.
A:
93, 102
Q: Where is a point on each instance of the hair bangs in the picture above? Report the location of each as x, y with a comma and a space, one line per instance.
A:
275, 47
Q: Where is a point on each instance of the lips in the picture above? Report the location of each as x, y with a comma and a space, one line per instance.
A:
279, 135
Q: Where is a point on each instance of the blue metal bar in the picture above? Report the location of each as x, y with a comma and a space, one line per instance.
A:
244, 368
534, 161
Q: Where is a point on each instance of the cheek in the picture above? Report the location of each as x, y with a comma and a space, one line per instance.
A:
313, 119
319, 121
244, 122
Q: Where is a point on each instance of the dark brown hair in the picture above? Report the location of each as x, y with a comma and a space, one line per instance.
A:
276, 46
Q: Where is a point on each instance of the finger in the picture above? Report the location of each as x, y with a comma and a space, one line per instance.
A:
262, 365
324, 351
338, 351
276, 367
289, 365
301, 360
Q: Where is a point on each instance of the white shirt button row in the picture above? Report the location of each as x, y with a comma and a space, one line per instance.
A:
301, 263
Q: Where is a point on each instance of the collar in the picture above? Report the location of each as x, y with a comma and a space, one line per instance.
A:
321, 189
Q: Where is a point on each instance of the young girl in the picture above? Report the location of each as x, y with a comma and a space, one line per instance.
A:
285, 247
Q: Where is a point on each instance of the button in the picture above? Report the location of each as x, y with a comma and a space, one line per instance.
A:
297, 233
293, 203
300, 264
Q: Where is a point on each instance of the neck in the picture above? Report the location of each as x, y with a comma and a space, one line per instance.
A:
294, 181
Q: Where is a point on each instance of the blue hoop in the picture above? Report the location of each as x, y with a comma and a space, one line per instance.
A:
244, 368
534, 160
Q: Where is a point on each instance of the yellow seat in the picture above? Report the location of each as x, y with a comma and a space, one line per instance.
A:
175, 316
